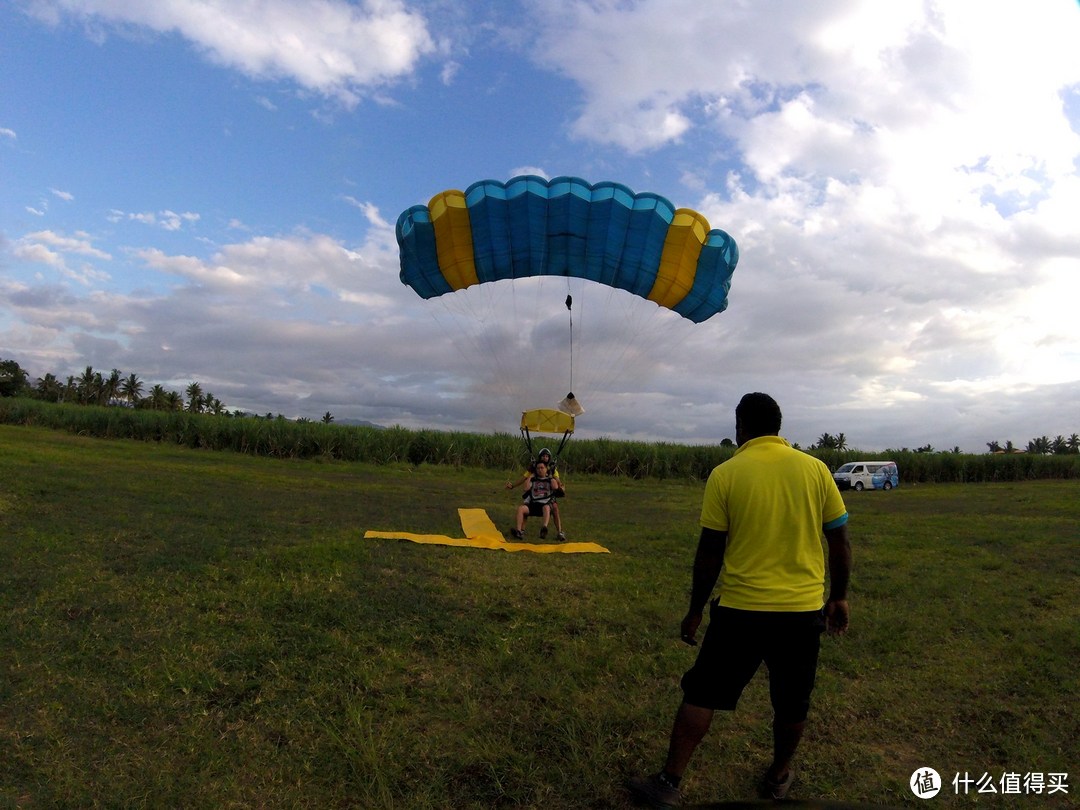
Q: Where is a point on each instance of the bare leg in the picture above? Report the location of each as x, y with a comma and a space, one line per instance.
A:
786, 738
691, 724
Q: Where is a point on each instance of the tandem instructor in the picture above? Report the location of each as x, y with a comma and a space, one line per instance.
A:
762, 519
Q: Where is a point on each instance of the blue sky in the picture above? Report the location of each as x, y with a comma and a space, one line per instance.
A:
206, 191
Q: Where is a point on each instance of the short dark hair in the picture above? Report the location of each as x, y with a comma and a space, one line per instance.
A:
758, 415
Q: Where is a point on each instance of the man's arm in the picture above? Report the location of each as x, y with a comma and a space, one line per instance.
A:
519, 482
708, 561
836, 607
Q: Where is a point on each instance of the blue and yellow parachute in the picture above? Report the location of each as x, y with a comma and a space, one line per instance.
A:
529, 226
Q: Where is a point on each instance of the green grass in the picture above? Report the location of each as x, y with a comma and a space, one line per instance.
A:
202, 629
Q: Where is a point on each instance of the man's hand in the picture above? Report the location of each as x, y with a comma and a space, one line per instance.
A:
689, 628
836, 616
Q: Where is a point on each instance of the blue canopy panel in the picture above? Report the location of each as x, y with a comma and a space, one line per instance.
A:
566, 226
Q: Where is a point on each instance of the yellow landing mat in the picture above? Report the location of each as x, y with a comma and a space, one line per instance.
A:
480, 532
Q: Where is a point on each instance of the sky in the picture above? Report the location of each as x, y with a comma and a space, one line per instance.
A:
206, 191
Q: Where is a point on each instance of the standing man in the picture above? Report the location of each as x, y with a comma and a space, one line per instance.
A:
762, 518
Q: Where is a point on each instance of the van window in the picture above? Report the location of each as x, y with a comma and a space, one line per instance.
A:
873, 468
859, 469
845, 468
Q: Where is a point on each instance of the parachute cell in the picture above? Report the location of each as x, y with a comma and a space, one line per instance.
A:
605, 233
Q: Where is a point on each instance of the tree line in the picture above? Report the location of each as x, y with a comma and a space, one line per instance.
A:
94, 388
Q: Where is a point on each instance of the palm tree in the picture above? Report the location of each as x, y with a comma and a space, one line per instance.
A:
174, 402
1073, 443
327, 418
87, 385
993, 447
194, 395
110, 388
1039, 445
49, 388
841, 441
131, 388
158, 398
1059, 445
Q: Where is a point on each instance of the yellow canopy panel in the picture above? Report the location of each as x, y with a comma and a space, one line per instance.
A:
547, 420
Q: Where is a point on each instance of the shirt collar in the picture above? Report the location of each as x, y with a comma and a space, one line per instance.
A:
761, 441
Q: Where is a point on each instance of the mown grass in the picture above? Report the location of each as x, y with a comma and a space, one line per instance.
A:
201, 629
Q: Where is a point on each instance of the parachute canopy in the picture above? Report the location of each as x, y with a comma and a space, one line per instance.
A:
605, 232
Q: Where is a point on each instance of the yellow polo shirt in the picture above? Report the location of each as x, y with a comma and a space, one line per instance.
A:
773, 501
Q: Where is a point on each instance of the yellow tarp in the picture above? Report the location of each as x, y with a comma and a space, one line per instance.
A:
480, 532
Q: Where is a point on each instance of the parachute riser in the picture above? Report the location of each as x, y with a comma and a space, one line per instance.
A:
527, 437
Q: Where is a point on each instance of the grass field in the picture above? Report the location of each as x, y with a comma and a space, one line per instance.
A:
188, 628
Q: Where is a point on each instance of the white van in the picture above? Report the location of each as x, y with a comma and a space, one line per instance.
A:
860, 475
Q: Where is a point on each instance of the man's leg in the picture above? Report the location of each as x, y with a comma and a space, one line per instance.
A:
786, 738
689, 729
662, 789
792, 664
521, 513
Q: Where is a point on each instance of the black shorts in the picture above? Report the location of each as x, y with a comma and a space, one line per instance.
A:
536, 509
735, 644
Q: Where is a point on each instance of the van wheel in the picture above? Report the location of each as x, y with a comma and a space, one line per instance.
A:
858, 486
887, 486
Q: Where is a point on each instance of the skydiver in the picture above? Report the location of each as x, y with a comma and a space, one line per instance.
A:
544, 456
538, 501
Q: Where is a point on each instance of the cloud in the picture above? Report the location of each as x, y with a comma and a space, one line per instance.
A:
297, 325
331, 47
7, 133
167, 220
57, 251
78, 244
63, 195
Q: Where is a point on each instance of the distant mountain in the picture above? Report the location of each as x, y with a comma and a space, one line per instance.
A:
358, 423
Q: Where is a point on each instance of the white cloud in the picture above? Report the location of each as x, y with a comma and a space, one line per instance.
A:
332, 47
54, 250
79, 244
7, 133
63, 195
172, 221
167, 220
